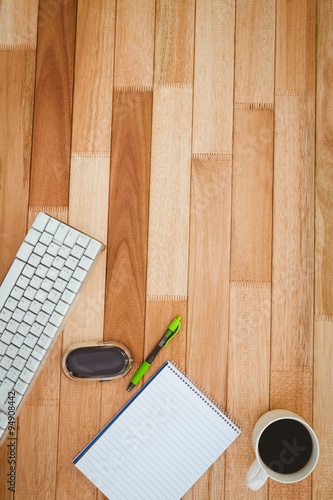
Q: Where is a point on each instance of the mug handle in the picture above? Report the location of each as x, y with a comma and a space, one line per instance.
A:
255, 477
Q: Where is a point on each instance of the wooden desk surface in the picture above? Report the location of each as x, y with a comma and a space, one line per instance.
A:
194, 138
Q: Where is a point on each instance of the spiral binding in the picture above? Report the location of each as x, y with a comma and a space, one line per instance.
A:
211, 402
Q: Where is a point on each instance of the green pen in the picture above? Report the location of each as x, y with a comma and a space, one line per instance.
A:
171, 332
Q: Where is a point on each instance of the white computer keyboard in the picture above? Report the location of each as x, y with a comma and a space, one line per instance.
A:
35, 299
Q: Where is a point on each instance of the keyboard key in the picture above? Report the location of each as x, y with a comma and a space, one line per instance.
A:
12, 351
47, 260
23, 329
53, 249
3, 348
7, 337
32, 236
40, 249
38, 352
86, 263
17, 292
83, 240
10, 280
13, 374
12, 326
22, 281
44, 341
56, 319
93, 249
41, 295
80, 274
41, 221
28, 270
30, 292
11, 304
36, 329
74, 285
29, 318
53, 273
77, 251
60, 285
6, 362
71, 237
68, 296
43, 318
47, 284
50, 330
36, 282
30, 340
21, 386
61, 233
46, 238
26, 375
5, 315
32, 364
54, 295
19, 363
2, 325
24, 251
58, 263
24, 304
62, 307
18, 339
25, 351
64, 251
36, 306
72, 262
34, 260
6, 386
66, 273
41, 271
18, 315
48, 307
52, 226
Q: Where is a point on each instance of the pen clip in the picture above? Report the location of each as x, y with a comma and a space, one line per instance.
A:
174, 328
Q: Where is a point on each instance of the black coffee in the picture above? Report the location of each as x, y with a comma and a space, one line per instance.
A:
285, 446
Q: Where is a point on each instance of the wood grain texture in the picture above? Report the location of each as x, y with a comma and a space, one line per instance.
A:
128, 220
323, 408
251, 245
324, 162
134, 57
170, 182
16, 97
293, 241
295, 47
248, 373
208, 293
18, 24
53, 105
88, 214
93, 77
174, 41
213, 77
254, 51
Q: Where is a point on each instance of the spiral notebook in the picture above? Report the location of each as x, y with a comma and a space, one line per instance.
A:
160, 443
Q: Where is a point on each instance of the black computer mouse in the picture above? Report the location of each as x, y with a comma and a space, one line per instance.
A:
97, 361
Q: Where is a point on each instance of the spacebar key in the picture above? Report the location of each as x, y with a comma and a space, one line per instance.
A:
10, 280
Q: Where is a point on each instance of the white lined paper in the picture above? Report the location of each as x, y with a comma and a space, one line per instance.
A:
159, 445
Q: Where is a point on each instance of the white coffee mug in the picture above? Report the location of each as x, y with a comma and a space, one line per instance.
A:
259, 472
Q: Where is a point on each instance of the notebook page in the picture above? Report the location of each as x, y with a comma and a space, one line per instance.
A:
166, 437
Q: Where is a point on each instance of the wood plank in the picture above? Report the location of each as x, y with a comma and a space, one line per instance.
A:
93, 77
170, 181
134, 56
18, 24
128, 220
159, 315
293, 241
251, 244
324, 162
174, 45
254, 51
16, 95
248, 374
53, 105
293, 266
213, 77
295, 47
85, 324
323, 408
207, 344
